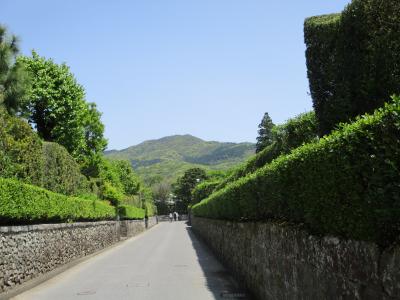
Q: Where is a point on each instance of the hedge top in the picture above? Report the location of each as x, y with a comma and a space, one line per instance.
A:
347, 184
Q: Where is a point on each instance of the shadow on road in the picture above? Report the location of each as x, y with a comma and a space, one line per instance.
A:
219, 280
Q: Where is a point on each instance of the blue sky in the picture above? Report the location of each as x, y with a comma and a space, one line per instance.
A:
209, 68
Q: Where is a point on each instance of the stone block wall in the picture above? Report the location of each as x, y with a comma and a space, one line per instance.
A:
29, 251
277, 261
131, 228
152, 221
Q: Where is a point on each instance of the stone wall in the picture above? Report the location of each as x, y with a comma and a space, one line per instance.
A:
131, 228
29, 251
276, 261
152, 221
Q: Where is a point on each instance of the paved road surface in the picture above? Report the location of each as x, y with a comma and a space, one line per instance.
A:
167, 262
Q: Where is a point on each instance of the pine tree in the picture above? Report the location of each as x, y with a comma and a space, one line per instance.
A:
13, 79
265, 137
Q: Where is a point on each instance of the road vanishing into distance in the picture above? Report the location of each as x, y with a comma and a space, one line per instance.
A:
166, 262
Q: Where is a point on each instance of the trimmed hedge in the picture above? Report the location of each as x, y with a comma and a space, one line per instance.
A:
61, 173
320, 35
353, 60
203, 190
26, 204
129, 212
347, 184
296, 131
21, 155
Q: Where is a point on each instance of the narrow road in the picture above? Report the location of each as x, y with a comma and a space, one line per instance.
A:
167, 262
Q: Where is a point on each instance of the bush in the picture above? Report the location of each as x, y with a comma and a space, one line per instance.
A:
353, 60
128, 212
111, 193
299, 130
61, 172
347, 184
203, 190
25, 204
148, 203
21, 155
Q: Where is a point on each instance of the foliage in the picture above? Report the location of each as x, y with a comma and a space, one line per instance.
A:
129, 180
128, 212
120, 185
23, 204
61, 172
95, 143
203, 190
111, 193
184, 185
59, 112
295, 132
146, 196
56, 103
264, 138
347, 184
161, 192
14, 81
353, 60
21, 155
170, 157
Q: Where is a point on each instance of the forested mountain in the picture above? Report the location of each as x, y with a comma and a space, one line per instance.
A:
170, 156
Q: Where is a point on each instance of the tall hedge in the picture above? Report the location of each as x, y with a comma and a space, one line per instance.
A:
21, 155
353, 60
23, 204
347, 184
203, 190
290, 135
61, 173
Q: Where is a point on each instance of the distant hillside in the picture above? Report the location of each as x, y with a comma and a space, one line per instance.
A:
170, 156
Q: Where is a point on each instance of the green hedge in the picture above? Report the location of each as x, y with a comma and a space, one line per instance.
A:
61, 173
353, 60
24, 204
320, 35
128, 212
296, 131
347, 184
203, 190
21, 155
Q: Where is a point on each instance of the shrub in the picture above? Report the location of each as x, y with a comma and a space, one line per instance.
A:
353, 60
148, 203
21, 154
203, 190
61, 172
128, 212
347, 184
24, 204
111, 193
299, 130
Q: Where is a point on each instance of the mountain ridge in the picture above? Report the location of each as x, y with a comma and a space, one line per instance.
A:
168, 157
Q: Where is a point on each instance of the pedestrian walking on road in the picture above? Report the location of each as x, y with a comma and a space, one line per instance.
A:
177, 216
170, 217
175, 213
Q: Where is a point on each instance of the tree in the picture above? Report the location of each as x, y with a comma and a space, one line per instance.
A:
264, 138
14, 81
184, 186
58, 110
95, 143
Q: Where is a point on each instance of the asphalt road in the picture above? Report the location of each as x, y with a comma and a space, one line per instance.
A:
166, 262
